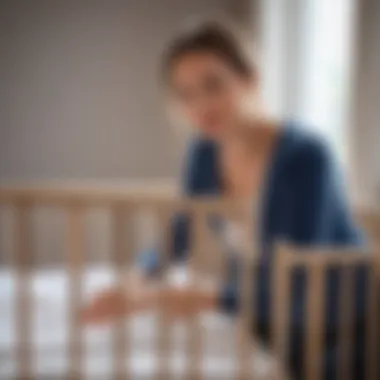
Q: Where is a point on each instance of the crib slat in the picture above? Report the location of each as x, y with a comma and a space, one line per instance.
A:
345, 345
247, 310
23, 260
76, 255
373, 317
314, 334
244, 335
163, 326
281, 309
121, 261
195, 333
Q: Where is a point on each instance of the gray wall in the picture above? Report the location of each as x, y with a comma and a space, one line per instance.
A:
366, 105
80, 96
80, 99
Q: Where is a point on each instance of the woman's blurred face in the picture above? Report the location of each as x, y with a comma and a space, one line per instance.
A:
209, 92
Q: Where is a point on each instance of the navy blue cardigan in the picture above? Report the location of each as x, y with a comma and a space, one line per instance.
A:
304, 203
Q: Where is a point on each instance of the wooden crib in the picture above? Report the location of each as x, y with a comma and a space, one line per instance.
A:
251, 359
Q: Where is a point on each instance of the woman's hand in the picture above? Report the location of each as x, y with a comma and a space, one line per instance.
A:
114, 304
107, 306
186, 302
176, 302
137, 294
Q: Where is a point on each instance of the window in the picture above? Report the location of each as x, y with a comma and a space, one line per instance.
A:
307, 62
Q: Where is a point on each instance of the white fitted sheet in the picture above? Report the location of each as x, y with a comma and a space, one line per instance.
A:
49, 330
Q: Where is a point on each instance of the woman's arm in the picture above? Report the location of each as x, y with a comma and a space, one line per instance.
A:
124, 298
194, 181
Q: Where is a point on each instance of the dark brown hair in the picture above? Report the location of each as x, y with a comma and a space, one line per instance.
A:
213, 36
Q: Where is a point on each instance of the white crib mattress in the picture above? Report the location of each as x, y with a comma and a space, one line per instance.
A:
49, 330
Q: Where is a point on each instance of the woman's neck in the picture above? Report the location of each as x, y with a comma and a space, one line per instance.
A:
253, 136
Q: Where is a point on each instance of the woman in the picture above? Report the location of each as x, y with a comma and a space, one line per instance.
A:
239, 151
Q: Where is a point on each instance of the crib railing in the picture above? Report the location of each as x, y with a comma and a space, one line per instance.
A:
316, 264
123, 205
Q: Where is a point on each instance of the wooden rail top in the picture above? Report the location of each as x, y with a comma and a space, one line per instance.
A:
98, 196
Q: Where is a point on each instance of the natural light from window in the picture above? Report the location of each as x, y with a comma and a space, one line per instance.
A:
308, 63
